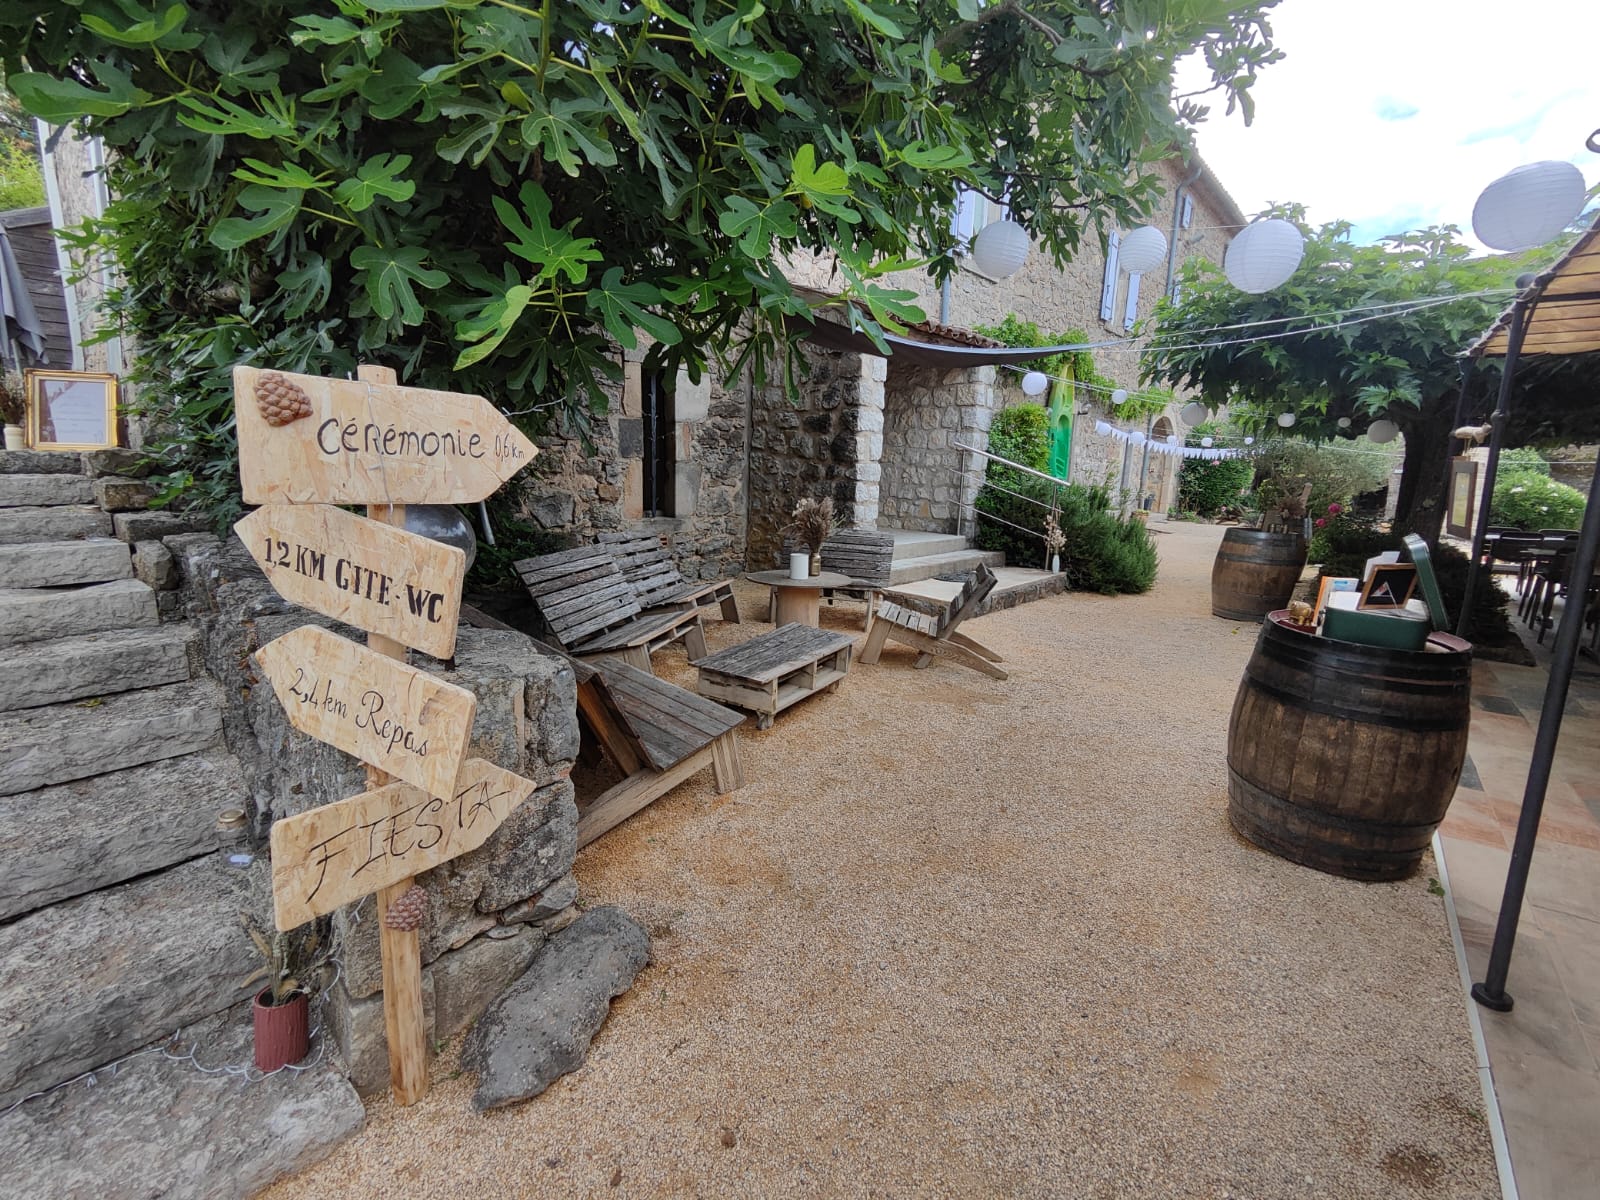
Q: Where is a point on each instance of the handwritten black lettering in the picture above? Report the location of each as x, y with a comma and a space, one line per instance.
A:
394, 733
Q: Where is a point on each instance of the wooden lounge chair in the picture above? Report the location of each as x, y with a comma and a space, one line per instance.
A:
934, 634
657, 734
588, 608
657, 584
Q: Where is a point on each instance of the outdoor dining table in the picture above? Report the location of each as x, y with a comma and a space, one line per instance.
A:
797, 599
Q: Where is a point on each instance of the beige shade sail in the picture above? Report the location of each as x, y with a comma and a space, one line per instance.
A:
1563, 308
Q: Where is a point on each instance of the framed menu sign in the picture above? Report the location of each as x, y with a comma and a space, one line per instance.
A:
1463, 487
71, 410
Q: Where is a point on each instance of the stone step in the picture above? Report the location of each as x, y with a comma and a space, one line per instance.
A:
78, 837
91, 737
59, 564
18, 490
60, 523
40, 462
98, 664
913, 543
159, 1127
932, 565
40, 614
90, 979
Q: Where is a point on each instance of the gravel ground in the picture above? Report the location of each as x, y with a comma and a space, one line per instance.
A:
960, 936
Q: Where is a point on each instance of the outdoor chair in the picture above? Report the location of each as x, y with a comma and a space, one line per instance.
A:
588, 608
865, 555
657, 583
935, 634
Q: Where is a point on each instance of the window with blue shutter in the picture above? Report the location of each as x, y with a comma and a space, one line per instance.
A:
1130, 312
1108, 285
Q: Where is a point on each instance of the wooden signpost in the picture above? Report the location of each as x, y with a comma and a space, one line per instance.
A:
308, 442
340, 852
341, 441
376, 578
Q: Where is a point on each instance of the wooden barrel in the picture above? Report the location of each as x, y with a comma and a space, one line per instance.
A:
1255, 573
1345, 757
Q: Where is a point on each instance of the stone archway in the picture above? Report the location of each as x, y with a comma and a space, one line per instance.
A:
1159, 480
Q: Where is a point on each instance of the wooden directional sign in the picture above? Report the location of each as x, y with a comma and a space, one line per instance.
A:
340, 441
373, 576
389, 715
340, 852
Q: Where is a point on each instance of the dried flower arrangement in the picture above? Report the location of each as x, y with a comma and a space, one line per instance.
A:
813, 523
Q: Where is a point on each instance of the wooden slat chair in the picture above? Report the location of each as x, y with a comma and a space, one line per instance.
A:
657, 583
865, 555
935, 634
588, 608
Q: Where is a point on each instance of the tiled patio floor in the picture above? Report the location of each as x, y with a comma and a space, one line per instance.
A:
1544, 1055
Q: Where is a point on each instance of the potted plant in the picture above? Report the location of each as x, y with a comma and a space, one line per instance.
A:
280, 1012
13, 406
812, 525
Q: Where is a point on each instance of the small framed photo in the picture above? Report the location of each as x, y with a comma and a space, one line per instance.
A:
71, 410
1389, 586
1331, 586
1463, 496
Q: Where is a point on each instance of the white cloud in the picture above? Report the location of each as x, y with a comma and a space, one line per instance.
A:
1393, 114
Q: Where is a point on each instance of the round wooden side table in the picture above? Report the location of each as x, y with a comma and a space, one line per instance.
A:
797, 599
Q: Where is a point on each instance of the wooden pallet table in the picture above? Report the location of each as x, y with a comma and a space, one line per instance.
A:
769, 673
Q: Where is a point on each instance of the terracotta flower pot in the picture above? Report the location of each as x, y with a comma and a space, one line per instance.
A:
282, 1030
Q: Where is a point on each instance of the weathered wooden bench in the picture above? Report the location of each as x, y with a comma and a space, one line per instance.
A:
935, 634
655, 733
588, 608
657, 582
774, 670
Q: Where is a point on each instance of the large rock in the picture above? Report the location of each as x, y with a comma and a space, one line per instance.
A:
44, 489
78, 739
357, 1027
158, 1127
90, 979
541, 1028
39, 462
142, 526
153, 564
115, 460
78, 837
61, 564
123, 495
53, 524
40, 614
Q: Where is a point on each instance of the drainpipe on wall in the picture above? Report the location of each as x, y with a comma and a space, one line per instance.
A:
944, 301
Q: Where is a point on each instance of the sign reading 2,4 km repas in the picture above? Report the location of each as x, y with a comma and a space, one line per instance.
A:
303, 440
376, 577
394, 717
340, 852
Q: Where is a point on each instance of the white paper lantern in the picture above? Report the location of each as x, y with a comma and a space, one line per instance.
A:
1343, 422
1137, 437
1286, 419
1382, 431
1172, 439
1528, 206
1000, 249
1263, 256
1034, 383
1102, 428
1143, 248
1249, 441
1193, 412
1120, 396
1206, 441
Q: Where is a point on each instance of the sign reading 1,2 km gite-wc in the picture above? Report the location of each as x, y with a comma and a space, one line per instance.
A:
344, 441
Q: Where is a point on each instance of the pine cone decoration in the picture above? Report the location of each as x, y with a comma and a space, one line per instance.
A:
407, 910
281, 400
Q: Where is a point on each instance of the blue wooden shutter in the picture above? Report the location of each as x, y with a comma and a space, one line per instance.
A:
1130, 312
1108, 285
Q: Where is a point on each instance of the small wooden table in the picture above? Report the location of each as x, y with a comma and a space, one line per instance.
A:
797, 599
774, 670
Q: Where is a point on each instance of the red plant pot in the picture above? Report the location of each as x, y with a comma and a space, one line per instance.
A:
282, 1030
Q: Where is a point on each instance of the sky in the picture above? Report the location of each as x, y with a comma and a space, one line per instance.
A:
1395, 114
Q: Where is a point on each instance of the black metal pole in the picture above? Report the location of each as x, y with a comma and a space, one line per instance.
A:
1519, 323
1491, 993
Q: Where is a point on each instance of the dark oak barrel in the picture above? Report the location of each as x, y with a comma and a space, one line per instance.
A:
1255, 572
1345, 757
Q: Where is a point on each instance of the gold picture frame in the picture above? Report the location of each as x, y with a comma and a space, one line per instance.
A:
71, 410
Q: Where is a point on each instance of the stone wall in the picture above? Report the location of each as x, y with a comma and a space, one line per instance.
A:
928, 483
814, 444
489, 910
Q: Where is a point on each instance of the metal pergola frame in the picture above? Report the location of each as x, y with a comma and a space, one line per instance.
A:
1556, 313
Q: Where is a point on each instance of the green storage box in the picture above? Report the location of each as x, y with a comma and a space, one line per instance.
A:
1395, 629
